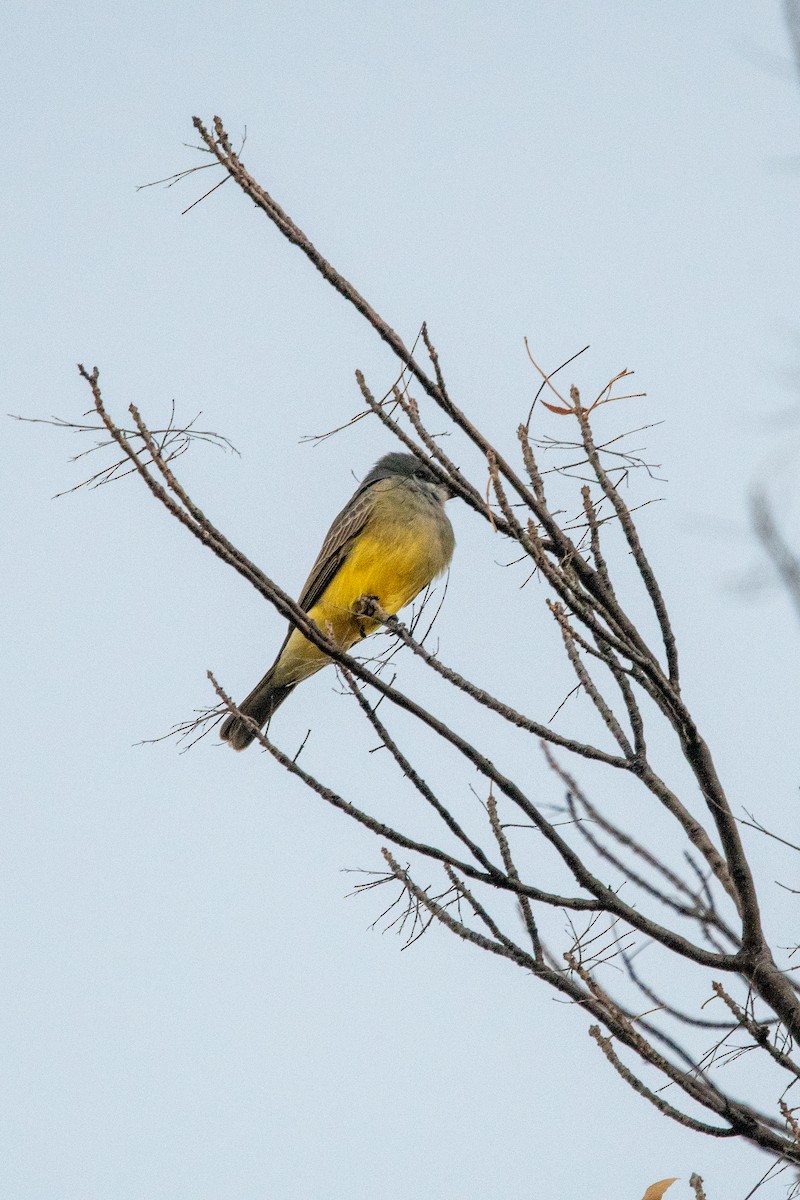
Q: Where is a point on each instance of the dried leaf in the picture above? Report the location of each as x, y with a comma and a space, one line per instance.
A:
656, 1190
555, 409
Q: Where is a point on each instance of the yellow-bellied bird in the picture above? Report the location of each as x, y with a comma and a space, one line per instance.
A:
388, 542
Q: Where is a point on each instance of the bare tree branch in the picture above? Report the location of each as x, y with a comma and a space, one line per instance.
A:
699, 922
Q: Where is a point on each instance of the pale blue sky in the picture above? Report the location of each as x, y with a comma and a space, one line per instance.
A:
189, 1007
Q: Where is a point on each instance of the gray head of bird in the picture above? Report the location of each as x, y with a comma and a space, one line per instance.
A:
409, 468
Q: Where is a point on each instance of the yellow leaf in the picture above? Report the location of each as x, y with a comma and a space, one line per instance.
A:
656, 1190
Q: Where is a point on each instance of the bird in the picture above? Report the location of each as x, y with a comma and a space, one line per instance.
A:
391, 539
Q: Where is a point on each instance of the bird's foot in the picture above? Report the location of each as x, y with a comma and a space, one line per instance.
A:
367, 608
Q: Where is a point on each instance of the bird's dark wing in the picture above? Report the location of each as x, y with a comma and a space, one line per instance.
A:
336, 547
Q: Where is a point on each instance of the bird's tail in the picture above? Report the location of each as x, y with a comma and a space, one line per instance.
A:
259, 707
